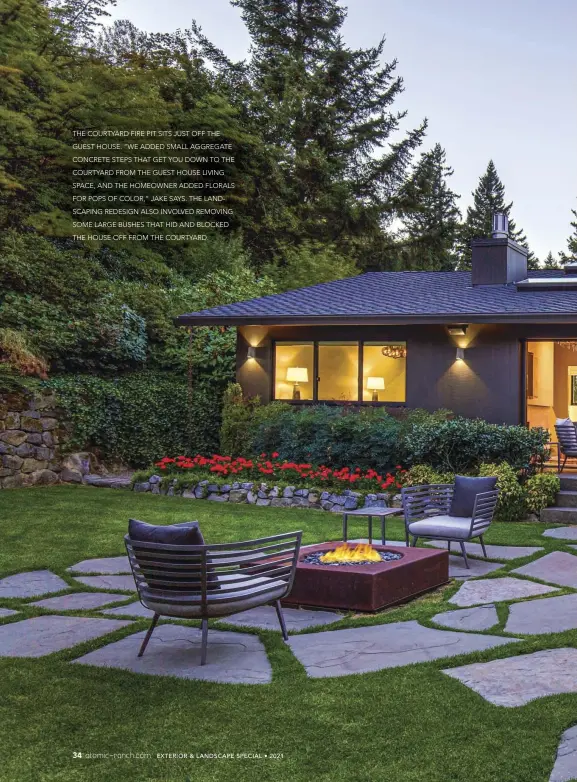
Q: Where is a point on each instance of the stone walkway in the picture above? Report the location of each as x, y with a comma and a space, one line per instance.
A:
562, 533
479, 618
565, 768
31, 584
494, 590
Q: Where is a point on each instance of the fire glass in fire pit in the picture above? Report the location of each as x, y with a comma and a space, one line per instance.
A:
363, 554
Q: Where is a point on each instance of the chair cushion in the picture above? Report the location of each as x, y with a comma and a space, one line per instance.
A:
186, 533
563, 421
466, 489
257, 591
455, 527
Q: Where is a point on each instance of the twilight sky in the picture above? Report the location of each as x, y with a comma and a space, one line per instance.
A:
496, 79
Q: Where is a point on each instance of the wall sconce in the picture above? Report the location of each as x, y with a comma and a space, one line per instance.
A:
375, 384
460, 354
458, 330
297, 375
251, 352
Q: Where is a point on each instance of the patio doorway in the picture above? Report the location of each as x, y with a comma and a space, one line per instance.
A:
551, 382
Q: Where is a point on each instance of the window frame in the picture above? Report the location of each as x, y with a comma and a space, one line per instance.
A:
315, 400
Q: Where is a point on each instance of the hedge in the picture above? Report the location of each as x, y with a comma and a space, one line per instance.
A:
138, 418
372, 438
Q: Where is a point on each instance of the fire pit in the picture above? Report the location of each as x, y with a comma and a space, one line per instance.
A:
365, 578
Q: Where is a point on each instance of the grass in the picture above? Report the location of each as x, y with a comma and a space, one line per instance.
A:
403, 725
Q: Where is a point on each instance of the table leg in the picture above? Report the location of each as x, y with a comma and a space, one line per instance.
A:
370, 530
345, 520
383, 529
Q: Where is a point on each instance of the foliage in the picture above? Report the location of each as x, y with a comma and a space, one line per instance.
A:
571, 256
512, 503
460, 445
16, 356
309, 264
138, 418
236, 420
488, 198
541, 491
274, 470
423, 474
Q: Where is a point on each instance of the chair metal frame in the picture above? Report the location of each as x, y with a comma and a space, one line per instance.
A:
244, 565
566, 443
419, 501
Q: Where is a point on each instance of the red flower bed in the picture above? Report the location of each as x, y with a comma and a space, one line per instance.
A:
272, 469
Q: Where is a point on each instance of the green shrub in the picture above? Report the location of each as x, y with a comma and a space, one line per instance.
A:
512, 503
422, 474
541, 490
138, 418
237, 414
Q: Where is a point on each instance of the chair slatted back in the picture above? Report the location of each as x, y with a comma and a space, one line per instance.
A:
567, 437
484, 510
418, 500
214, 573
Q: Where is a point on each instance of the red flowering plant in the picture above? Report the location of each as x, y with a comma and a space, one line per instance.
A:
274, 470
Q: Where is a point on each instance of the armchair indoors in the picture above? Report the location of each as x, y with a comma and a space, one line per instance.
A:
201, 581
458, 512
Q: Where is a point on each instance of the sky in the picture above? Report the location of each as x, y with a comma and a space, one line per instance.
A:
495, 79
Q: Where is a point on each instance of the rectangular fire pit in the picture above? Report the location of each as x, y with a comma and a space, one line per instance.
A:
367, 587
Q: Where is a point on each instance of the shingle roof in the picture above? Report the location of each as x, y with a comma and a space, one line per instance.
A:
401, 297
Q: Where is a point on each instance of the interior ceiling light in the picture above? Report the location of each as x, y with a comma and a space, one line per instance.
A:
394, 351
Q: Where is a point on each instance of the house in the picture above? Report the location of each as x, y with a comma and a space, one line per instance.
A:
497, 342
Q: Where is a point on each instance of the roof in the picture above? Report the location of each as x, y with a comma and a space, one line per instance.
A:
398, 297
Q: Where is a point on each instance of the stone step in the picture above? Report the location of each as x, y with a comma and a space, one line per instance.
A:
568, 481
567, 499
559, 515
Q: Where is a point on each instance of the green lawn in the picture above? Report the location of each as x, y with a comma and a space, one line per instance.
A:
401, 725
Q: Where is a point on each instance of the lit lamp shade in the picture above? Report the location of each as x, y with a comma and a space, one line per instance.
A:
376, 384
297, 375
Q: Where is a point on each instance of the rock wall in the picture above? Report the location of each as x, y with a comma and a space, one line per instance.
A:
31, 433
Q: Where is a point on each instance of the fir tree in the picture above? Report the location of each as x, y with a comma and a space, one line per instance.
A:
571, 256
430, 229
550, 262
488, 198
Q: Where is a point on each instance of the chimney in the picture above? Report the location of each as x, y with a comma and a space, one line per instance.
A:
498, 260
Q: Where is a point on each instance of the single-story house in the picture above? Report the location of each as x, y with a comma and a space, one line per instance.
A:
497, 342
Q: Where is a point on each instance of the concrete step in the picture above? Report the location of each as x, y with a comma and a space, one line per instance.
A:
568, 481
567, 499
559, 515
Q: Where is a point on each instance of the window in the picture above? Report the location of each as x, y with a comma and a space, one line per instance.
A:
384, 371
294, 370
341, 371
338, 372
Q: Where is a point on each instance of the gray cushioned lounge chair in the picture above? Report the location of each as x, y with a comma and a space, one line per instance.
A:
566, 442
427, 515
213, 580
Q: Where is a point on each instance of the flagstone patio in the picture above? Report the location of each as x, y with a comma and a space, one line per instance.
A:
31, 584
478, 618
124, 583
558, 567
494, 590
102, 565
493, 552
549, 615
42, 635
565, 768
78, 601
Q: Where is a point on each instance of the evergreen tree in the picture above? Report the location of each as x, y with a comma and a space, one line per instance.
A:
430, 229
488, 198
327, 111
571, 243
550, 262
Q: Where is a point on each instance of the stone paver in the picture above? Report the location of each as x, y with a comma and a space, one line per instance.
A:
31, 584
477, 567
364, 649
494, 590
265, 618
558, 567
78, 601
102, 565
7, 612
515, 681
550, 615
565, 768
135, 609
43, 635
232, 658
562, 533
478, 618
493, 552
124, 583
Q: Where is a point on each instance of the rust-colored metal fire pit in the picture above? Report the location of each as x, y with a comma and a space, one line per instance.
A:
367, 587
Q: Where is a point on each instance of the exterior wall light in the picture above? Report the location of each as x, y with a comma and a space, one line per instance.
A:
460, 354
458, 330
251, 352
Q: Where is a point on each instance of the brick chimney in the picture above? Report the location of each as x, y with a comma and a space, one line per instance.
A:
498, 260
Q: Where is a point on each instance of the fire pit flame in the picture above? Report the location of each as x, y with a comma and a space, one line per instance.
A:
363, 552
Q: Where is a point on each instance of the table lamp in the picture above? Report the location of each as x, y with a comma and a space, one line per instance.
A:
297, 375
375, 384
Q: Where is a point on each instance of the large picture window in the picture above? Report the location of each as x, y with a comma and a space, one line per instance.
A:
369, 372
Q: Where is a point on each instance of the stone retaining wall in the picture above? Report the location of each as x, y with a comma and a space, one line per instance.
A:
31, 432
266, 495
